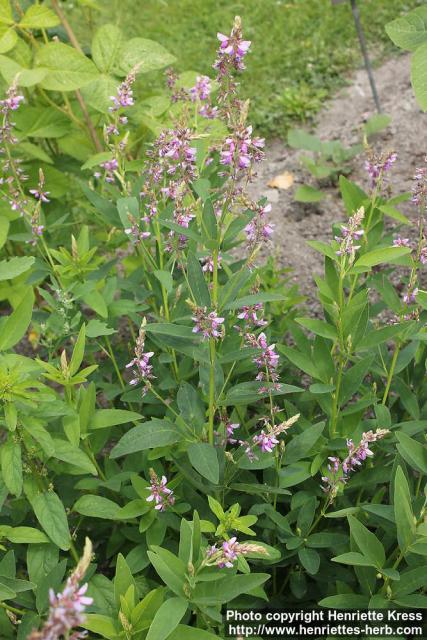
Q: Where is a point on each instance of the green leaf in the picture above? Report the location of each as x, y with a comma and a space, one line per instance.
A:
6, 16
318, 327
167, 618
190, 404
222, 591
96, 328
66, 452
410, 31
190, 633
41, 122
300, 445
14, 267
101, 625
27, 535
405, 520
353, 196
300, 360
105, 418
394, 213
353, 558
305, 193
413, 452
248, 392
11, 466
155, 433
165, 279
39, 17
197, 282
78, 351
4, 230
310, 560
410, 581
170, 569
68, 69
147, 54
204, 459
123, 579
96, 507
106, 46
419, 75
367, 542
380, 256
376, 123
50, 513
345, 601
13, 72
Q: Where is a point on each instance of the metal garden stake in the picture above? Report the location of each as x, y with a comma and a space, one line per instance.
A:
362, 42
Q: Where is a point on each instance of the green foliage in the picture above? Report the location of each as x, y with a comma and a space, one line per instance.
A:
248, 450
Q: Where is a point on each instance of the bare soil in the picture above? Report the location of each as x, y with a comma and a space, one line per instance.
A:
342, 118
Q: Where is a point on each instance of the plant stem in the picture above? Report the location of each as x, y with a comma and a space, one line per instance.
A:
391, 373
212, 389
114, 361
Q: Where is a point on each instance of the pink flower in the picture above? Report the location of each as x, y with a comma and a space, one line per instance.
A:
267, 441
208, 324
160, 494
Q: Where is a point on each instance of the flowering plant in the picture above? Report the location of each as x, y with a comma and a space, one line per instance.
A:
217, 447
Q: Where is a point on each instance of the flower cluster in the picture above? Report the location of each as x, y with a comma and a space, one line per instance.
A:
226, 555
140, 364
122, 100
419, 189
351, 234
241, 150
267, 440
210, 325
159, 492
67, 608
267, 361
232, 50
259, 230
378, 165
340, 470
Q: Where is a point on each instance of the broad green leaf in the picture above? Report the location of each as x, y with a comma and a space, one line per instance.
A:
353, 558
190, 405
191, 633
78, 351
419, 75
66, 452
197, 282
39, 17
367, 542
248, 392
380, 256
405, 520
300, 444
106, 45
68, 69
165, 279
6, 16
306, 193
13, 72
41, 122
50, 513
345, 601
123, 579
412, 452
96, 328
310, 560
167, 618
300, 139
410, 581
27, 535
11, 466
222, 591
147, 54
104, 418
4, 230
376, 123
204, 459
318, 327
14, 267
96, 507
300, 360
155, 433
101, 625
410, 31
170, 569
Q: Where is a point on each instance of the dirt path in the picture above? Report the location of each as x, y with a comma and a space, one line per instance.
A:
342, 119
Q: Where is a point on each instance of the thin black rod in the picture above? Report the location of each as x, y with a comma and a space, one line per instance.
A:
364, 48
